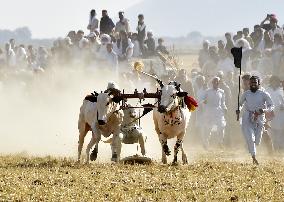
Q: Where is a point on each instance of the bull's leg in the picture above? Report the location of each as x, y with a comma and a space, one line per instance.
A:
95, 140
90, 145
82, 135
141, 141
165, 148
178, 145
184, 157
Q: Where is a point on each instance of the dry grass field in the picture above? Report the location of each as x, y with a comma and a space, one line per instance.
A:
207, 179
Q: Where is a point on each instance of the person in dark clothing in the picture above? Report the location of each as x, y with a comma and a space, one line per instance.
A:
150, 42
161, 48
106, 24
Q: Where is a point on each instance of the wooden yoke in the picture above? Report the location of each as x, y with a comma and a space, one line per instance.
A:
140, 96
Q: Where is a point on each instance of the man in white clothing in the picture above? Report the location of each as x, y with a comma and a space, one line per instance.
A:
277, 123
122, 24
93, 21
214, 111
256, 102
112, 58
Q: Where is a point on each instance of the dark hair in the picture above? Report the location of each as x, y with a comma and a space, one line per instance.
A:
140, 16
255, 78
104, 11
160, 40
93, 12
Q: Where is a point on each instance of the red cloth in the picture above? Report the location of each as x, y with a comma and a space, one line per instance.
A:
190, 102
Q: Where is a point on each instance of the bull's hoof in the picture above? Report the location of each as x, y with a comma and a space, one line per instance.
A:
254, 161
166, 149
174, 163
94, 154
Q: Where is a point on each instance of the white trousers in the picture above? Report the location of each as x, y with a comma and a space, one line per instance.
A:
252, 132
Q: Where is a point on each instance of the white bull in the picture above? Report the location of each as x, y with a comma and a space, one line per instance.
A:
171, 120
102, 118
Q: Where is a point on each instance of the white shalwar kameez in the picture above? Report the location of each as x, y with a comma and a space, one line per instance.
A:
277, 123
214, 109
252, 126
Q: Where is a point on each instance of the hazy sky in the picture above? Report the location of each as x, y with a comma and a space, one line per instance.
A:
53, 18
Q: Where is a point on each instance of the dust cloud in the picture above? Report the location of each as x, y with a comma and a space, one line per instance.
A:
39, 112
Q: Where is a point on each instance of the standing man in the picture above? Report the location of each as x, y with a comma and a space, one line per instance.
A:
122, 24
93, 21
141, 30
106, 24
256, 102
112, 59
214, 113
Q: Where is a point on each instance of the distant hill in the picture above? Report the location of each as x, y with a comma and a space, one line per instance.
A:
210, 17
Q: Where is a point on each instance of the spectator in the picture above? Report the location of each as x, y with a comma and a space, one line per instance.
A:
230, 43
247, 36
78, 37
124, 46
161, 48
106, 24
141, 29
136, 48
112, 58
93, 21
13, 44
72, 36
10, 56
277, 124
204, 54
277, 52
150, 43
122, 24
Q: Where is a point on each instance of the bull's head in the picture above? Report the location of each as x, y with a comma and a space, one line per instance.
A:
169, 98
105, 107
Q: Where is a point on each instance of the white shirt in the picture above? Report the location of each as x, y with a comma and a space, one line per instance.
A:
255, 101
277, 97
215, 99
93, 23
122, 26
112, 60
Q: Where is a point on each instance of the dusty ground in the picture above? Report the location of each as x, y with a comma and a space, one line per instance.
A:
207, 179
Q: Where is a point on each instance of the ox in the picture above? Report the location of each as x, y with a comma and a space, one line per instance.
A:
102, 117
171, 120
